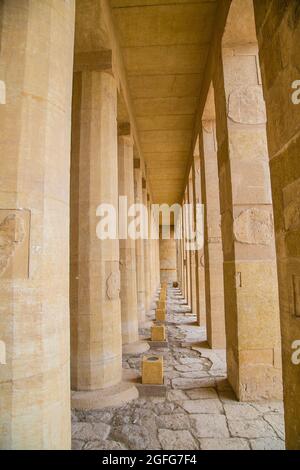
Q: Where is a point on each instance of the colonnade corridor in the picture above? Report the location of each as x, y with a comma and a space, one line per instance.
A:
199, 411
149, 225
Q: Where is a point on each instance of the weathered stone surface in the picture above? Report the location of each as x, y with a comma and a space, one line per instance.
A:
224, 444
267, 444
202, 393
240, 411
90, 431
174, 422
177, 440
187, 384
250, 429
254, 227
104, 445
210, 426
246, 105
203, 406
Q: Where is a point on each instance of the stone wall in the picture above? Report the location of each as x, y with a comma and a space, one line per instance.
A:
278, 31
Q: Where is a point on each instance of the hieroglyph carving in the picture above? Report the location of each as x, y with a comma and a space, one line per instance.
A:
246, 105
254, 227
12, 234
113, 285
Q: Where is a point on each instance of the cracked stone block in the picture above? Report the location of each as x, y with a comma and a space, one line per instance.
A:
173, 422
203, 407
277, 422
250, 429
267, 444
177, 440
186, 384
104, 445
90, 431
224, 444
176, 395
210, 426
202, 394
240, 411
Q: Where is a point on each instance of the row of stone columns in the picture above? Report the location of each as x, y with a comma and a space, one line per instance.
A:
56, 272
237, 279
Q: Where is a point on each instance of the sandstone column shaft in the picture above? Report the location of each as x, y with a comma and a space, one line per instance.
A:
36, 62
200, 262
250, 277
95, 277
195, 286
129, 310
147, 266
214, 282
139, 247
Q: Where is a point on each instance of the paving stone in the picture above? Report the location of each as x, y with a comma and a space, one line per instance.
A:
210, 426
176, 395
174, 422
250, 429
267, 444
203, 406
188, 384
277, 422
77, 444
136, 437
202, 394
104, 445
240, 411
177, 440
224, 444
90, 431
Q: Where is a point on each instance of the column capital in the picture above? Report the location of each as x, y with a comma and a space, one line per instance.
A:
91, 61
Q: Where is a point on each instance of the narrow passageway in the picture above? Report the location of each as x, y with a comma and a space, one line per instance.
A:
199, 411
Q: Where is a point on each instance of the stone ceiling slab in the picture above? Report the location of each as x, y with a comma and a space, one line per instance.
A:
165, 45
188, 23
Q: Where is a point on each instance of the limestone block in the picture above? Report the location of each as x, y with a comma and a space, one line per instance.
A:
152, 370
254, 226
246, 105
158, 333
160, 315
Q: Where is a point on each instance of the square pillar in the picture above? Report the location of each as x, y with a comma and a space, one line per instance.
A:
250, 272
213, 253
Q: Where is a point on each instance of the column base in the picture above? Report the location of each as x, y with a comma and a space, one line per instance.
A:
138, 347
117, 395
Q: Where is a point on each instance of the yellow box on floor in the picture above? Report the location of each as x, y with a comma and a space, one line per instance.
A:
152, 370
160, 315
158, 333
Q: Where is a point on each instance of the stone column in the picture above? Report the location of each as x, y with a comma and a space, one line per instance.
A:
188, 293
278, 51
146, 250
36, 64
250, 275
214, 282
96, 340
200, 262
139, 246
197, 287
129, 310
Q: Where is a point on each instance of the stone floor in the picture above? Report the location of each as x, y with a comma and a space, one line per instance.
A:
199, 411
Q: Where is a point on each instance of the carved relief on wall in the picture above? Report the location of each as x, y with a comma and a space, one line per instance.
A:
14, 243
246, 105
113, 281
254, 227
